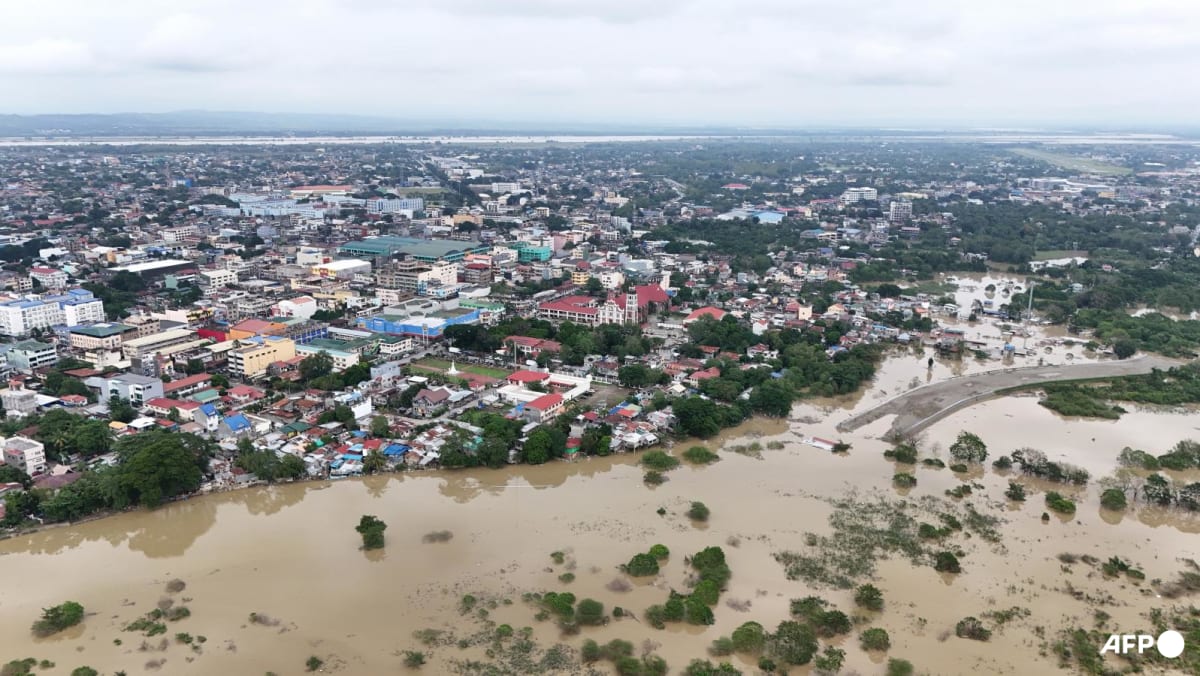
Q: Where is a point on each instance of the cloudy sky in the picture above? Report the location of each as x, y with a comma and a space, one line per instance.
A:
788, 63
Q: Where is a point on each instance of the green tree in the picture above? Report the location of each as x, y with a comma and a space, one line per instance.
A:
697, 417
946, 562
875, 639
315, 366
590, 612
868, 596
968, 448
157, 466
642, 565
698, 512
121, 410
380, 426
793, 643
371, 529
58, 618
1113, 498
374, 462
749, 638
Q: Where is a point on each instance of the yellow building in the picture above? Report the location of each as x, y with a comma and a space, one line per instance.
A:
252, 360
580, 277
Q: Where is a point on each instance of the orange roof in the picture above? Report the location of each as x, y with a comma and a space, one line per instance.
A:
545, 402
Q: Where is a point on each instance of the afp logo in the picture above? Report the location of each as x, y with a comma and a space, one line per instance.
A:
1169, 644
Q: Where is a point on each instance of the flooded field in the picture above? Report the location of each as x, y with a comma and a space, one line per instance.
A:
290, 554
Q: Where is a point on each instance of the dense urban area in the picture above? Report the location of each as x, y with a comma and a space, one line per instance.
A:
186, 320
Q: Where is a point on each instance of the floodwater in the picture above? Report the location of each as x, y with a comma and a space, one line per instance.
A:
291, 552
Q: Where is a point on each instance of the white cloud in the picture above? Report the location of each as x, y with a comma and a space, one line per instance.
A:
688, 61
46, 57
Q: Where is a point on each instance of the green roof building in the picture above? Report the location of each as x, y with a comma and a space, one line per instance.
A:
425, 250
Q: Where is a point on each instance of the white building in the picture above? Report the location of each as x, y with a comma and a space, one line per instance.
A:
25, 454
49, 278
853, 195
302, 307
899, 211
78, 306
395, 206
342, 269
217, 278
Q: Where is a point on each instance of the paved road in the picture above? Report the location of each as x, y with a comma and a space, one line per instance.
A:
917, 409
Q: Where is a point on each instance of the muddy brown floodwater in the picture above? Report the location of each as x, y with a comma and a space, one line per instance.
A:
291, 552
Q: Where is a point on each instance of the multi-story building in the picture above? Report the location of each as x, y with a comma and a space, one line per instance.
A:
131, 387
19, 317
217, 278
105, 336
862, 194
479, 274
413, 276
49, 278
342, 269
252, 360
77, 306
139, 348
899, 211
393, 206
25, 454
18, 402
29, 355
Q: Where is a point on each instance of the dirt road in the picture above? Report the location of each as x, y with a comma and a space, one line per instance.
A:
919, 408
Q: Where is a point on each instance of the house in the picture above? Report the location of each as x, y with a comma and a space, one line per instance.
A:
207, 417
710, 312
698, 377
429, 400
27, 455
241, 395
131, 387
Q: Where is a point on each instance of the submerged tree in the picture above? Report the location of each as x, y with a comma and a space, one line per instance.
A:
371, 529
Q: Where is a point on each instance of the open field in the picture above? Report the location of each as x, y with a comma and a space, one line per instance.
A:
1055, 254
1073, 162
441, 365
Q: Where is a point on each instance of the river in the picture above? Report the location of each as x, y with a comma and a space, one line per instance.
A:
291, 552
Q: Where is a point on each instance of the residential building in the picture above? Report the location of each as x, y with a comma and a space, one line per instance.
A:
217, 278
131, 387
27, 455
29, 355
49, 278
252, 360
18, 402
417, 277
77, 306
852, 195
899, 211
